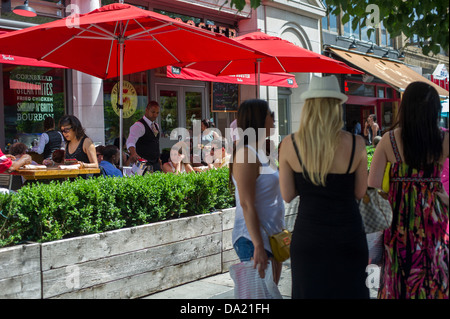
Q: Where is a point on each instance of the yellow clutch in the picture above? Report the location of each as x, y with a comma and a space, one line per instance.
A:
387, 171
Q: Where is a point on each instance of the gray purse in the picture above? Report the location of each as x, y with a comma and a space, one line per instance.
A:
376, 211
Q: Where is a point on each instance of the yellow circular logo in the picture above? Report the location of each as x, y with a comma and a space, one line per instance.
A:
130, 99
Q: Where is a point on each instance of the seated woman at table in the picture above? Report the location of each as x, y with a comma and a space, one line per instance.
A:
78, 145
175, 164
111, 156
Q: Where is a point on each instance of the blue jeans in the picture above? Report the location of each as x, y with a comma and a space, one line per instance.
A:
244, 249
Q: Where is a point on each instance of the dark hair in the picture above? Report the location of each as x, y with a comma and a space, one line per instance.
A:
75, 123
152, 104
374, 117
18, 149
109, 151
58, 156
418, 119
49, 123
251, 114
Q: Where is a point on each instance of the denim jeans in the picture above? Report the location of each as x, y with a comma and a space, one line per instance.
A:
244, 249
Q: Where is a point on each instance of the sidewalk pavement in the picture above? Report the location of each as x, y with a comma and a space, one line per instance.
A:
222, 287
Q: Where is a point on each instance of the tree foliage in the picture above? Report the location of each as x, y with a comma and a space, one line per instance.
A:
426, 19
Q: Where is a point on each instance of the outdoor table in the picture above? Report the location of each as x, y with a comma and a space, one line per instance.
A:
53, 173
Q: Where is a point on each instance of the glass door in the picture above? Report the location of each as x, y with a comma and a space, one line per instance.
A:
180, 106
284, 111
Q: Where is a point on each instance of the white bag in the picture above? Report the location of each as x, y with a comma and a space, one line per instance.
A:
249, 285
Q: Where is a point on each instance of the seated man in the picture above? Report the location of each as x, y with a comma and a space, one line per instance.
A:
111, 156
220, 157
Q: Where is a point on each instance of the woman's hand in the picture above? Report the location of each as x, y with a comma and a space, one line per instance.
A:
260, 261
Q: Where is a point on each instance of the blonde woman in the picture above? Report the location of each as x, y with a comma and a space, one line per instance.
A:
327, 167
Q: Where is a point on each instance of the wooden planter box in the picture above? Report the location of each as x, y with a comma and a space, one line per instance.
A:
125, 263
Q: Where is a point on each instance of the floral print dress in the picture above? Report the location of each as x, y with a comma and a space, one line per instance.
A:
416, 250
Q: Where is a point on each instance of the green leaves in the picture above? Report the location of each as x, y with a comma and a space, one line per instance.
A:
425, 19
46, 212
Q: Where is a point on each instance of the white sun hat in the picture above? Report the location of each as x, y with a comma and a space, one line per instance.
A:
323, 87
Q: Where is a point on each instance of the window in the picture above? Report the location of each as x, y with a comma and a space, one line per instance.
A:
360, 89
31, 94
348, 31
329, 22
385, 36
134, 103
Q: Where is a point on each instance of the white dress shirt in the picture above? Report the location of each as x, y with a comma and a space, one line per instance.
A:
137, 130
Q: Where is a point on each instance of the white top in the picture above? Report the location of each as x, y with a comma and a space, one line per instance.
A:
137, 130
268, 203
43, 140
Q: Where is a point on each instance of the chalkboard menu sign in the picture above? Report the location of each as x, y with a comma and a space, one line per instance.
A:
224, 97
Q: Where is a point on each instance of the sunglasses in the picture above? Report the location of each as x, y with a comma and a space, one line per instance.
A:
272, 114
66, 130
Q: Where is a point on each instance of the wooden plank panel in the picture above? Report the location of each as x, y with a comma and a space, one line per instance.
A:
87, 274
81, 249
150, 282
19, 260
27, 286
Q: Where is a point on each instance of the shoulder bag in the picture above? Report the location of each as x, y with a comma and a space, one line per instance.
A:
376, 211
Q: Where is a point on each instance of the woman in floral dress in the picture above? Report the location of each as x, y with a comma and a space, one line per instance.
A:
416, 252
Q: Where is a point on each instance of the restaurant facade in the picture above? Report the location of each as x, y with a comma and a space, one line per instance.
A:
31, 93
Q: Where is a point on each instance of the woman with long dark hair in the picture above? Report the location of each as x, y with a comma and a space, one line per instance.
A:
78, 145
259, 205
415, 257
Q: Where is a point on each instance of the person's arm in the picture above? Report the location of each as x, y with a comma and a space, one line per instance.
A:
89, 149
287, 183
137, 130
188, 168
361, 169
245, 175
43, 139
23, 160
378, 164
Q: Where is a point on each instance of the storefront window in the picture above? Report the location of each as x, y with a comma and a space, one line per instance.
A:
30, 95
135, 100
360, 89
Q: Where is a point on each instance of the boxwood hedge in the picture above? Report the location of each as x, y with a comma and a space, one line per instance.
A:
45, 212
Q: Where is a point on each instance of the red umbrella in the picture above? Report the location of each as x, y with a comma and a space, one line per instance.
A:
268, 79
119, 39
283, 57
19, 60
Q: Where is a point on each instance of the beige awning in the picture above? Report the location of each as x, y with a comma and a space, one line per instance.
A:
393, 73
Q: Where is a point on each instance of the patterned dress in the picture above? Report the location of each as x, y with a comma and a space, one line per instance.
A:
416, 250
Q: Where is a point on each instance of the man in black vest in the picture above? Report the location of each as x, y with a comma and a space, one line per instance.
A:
50, 140
143, 141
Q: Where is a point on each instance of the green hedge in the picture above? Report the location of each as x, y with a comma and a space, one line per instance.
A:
370, 150
46, 212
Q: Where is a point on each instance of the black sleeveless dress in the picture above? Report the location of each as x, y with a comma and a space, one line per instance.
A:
329, 253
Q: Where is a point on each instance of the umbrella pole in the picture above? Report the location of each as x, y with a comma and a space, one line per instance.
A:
258, 74
121, 99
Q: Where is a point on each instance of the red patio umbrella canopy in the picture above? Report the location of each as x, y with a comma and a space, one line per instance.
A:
20, 60
91, 42
268, 79
284, 57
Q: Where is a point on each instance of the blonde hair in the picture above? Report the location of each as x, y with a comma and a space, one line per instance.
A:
318, 136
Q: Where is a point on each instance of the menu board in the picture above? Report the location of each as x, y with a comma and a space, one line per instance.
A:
224, 97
